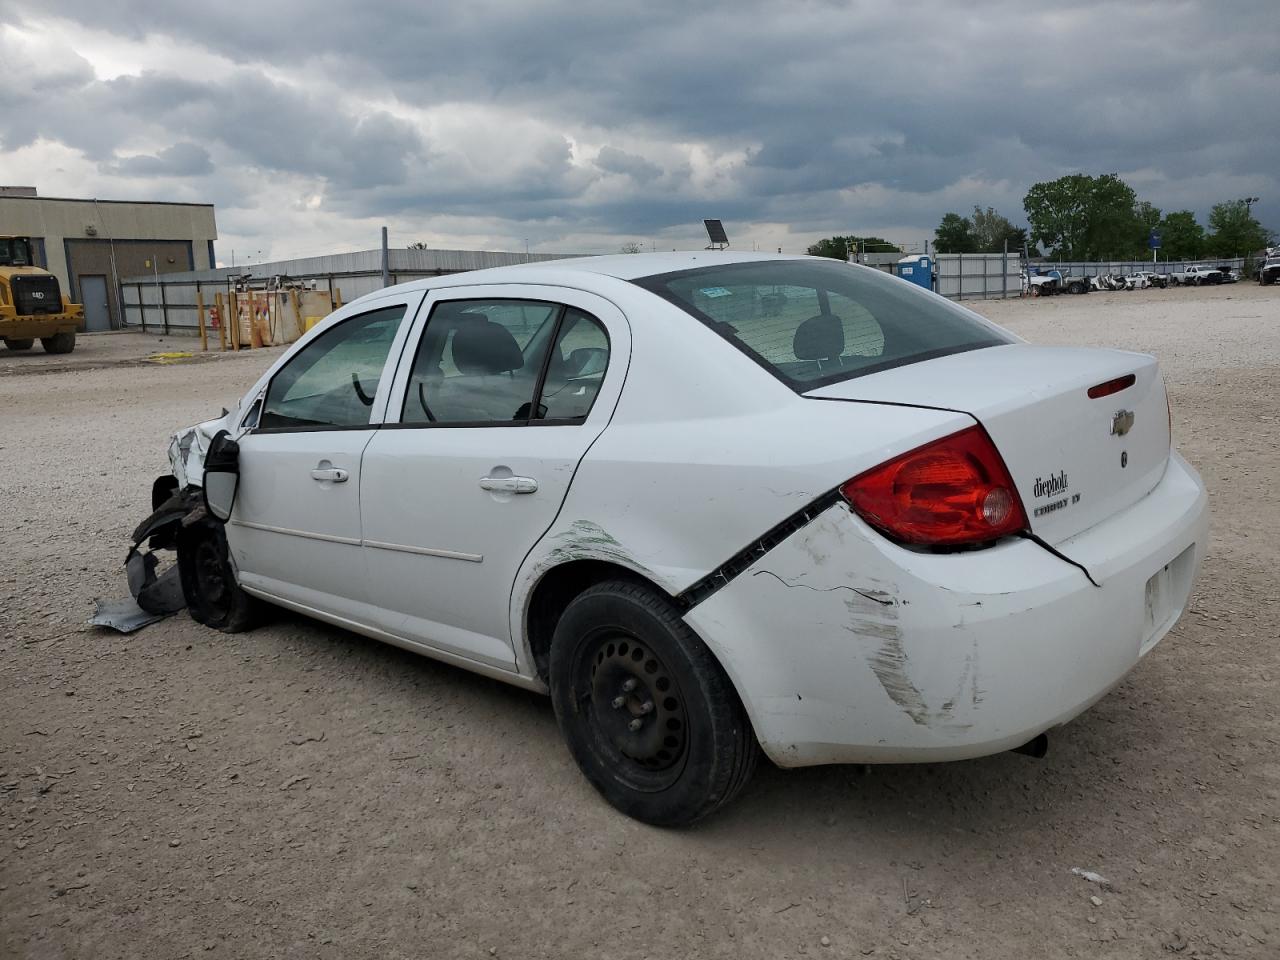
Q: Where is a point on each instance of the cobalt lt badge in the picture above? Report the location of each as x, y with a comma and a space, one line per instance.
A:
1121, 423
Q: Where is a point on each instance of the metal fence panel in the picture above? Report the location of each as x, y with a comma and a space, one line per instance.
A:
978, 276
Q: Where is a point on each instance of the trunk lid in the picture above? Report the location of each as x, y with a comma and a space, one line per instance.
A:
1076, 460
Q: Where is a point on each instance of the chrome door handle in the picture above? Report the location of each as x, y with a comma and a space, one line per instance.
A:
334, 474
509, 484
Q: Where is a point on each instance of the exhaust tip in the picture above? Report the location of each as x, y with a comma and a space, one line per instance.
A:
1035, 747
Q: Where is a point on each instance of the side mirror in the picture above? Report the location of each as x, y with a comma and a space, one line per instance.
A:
221, 476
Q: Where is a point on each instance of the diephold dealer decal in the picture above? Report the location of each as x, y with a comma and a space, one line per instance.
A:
1057, 483
1053, 486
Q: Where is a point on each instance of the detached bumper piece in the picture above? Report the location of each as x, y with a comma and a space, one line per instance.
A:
155, 593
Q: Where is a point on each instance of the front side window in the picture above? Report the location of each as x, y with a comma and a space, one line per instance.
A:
811, 323
331, 382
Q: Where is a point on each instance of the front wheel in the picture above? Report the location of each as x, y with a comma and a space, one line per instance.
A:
26, 343
209, 581
59, 343
648, 713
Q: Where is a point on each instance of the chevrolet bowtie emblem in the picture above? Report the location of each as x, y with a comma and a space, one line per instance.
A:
1121, 423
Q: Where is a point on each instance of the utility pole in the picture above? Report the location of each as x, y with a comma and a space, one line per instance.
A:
386, 269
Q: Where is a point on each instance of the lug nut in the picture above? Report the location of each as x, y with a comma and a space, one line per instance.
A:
635, 725
646, 707
629, 684
618, 702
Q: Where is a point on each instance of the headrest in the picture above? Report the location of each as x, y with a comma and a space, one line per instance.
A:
481, 346
819, 338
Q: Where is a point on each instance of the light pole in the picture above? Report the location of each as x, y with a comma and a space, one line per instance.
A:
1248, 204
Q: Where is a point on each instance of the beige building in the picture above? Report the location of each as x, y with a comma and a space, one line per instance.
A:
90, 245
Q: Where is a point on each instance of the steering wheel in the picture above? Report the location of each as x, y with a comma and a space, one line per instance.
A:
422, 401
364, 397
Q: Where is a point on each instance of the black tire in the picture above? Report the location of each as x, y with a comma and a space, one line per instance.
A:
619, 647
209, 581
26, 343
59, 342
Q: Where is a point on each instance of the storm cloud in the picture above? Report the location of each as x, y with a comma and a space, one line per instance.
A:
577, 127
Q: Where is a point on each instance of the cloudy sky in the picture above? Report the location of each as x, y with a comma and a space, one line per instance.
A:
580, 126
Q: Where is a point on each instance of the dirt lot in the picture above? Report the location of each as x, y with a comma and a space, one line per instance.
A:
302, 792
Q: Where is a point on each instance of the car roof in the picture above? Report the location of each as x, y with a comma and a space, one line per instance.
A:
627, 266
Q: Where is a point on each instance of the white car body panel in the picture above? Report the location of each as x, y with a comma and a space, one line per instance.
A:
901, 656
843, 645
1055, 439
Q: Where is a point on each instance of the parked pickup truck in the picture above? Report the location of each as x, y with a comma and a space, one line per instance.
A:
1269, 271
1195, 276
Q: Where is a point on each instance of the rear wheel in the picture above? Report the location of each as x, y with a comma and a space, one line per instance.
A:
648, 713
26, 343
209, 581
59, 343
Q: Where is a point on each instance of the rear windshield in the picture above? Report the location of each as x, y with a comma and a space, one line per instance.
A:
814, 322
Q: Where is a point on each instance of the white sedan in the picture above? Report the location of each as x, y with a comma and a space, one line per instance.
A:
711, 503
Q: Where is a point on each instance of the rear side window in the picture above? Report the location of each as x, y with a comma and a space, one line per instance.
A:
505, 363
811, 323
579, 359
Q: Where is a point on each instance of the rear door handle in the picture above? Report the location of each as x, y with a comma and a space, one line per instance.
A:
334, 474
509, 484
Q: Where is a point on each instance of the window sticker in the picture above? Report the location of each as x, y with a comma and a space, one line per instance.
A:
714, 292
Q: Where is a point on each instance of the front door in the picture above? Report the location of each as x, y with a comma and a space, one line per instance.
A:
295, 533
97, 314
496, 402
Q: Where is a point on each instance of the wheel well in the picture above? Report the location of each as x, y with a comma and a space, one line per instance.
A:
556, 590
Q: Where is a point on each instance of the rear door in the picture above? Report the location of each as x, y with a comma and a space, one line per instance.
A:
470, 469
295, 531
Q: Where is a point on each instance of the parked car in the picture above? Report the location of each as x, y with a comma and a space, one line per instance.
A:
1036, 284
1137, 281
1156, 279
1196, 276
1269, 271
1228, 273
856, 524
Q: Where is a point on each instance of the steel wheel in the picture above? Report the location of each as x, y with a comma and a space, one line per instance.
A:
636, 710
645, 708
209, 580
211, 577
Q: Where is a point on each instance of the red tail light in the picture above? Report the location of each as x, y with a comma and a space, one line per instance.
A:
953, 491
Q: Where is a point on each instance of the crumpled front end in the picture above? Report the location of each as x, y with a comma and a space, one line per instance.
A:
188, 448
155, 584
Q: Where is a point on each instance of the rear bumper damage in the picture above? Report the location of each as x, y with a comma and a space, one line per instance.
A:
846, 648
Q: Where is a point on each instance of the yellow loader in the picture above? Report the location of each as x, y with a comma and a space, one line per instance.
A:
31, 304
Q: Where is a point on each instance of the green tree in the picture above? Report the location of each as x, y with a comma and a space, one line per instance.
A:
1083, 217
1146, 218
991, 231
839, 247
954, 235
1235, 231
1181, 236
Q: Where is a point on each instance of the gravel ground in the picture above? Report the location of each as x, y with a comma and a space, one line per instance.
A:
300, 791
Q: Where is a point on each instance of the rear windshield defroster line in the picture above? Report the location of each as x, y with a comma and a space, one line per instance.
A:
814, 322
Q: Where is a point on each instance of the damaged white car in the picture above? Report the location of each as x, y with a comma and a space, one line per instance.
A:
711, 503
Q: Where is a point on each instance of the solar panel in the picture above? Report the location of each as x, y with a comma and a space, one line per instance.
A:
715, 232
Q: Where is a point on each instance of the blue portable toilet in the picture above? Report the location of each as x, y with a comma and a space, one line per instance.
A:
917, 269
